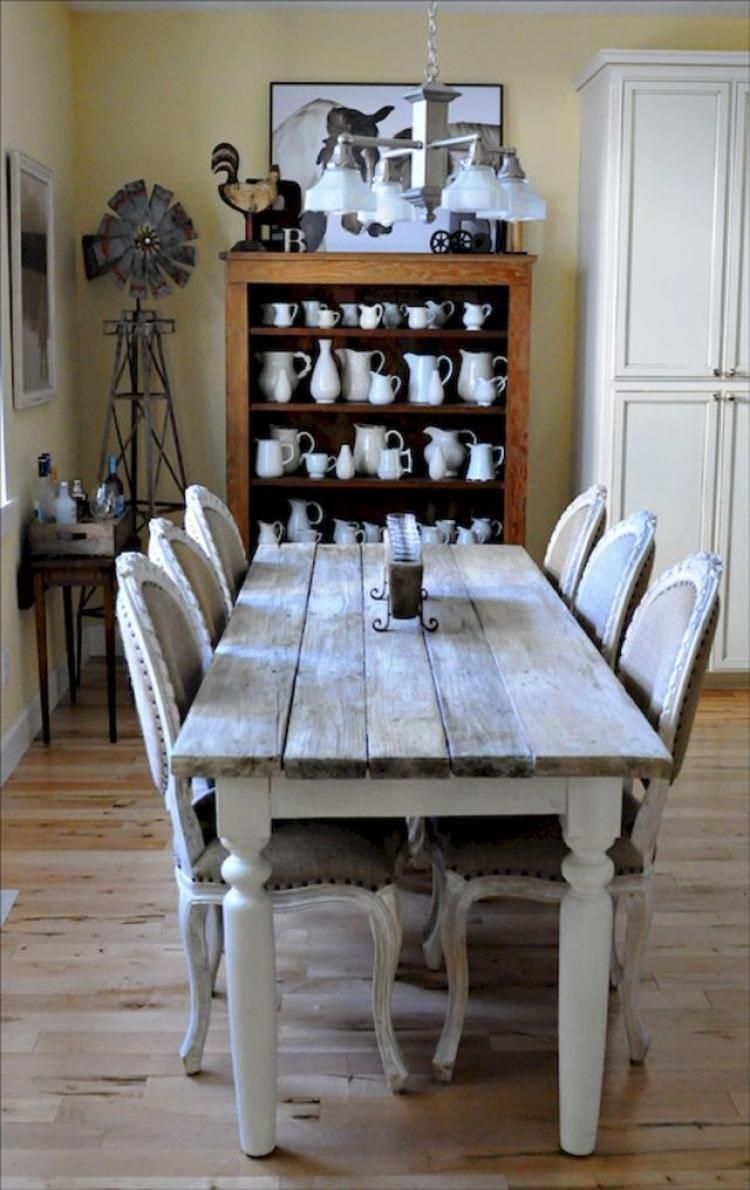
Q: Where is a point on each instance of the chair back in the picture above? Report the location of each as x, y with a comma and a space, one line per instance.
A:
165, 663
614, 581
572, 539
190, 566
211, 524
666, 647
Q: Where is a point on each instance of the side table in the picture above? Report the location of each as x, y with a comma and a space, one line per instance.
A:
68, 556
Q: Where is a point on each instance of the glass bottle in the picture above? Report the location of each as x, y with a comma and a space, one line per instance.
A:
113, 484
81, 499
66, 512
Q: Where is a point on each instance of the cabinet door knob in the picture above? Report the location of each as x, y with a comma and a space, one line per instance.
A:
718, 372
731, 373
731, 397
716, 396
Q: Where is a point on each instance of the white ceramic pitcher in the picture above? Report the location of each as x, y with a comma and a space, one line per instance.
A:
301, 442
273, 361
485, 461
450, 444
355, 371
473, 365
421, 368
304, 514
368, 443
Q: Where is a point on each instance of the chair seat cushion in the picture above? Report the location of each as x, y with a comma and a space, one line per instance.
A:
521, 846
367, 852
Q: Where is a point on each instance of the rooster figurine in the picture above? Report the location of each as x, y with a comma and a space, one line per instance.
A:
248, 197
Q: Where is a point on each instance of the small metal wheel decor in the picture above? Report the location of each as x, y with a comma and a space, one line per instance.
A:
459, 242
402, 579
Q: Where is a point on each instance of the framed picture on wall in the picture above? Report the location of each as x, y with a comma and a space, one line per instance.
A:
301, 122
31, 209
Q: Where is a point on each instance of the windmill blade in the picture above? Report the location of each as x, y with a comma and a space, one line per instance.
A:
183, 253
177, 217
108, 251
172, 240
110, 226
131, 201
156, 283
179, 275
122, 269
159, 204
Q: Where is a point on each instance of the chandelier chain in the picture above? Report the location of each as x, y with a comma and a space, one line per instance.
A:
432, 70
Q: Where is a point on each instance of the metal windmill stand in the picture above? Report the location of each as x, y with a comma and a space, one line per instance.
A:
141, 407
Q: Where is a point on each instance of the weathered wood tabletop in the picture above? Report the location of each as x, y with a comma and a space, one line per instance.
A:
508, 685
506, 708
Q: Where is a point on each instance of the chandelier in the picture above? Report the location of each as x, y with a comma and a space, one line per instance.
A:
477, 188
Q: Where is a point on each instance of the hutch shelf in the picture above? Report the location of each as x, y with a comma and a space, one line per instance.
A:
255, 279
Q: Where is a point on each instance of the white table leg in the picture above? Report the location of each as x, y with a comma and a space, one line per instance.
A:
245, 827
590, 827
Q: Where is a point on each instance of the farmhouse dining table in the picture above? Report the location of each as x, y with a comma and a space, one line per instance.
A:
506, 708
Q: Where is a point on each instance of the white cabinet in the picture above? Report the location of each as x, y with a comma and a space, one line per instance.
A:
664, 307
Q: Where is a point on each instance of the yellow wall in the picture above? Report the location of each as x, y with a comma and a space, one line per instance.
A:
153, 92
37, 117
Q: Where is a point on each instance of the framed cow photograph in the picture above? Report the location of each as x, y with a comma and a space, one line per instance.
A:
303, 116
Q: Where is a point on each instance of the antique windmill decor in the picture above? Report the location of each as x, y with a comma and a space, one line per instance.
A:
143, 243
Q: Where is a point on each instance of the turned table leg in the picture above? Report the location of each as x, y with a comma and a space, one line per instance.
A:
244, 823
590, 826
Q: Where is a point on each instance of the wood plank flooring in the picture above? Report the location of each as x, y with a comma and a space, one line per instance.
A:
94, 1004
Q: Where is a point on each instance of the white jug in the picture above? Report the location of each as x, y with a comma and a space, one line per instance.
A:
421, 368
473, 365
347, 532
475, 315
485, 391
485, 529
304, 514
484, 462
393, 463
368, 443
437, 467
270, 532
312, 308
271, 456
284, 313
383, 389
465, 536
453, 449
299, 440
356, 367
274, 361
372, 531
438, 313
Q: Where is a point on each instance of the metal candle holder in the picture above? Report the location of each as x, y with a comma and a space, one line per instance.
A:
403, 572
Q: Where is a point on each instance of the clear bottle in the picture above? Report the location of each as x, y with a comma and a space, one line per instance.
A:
66, 512
113, 484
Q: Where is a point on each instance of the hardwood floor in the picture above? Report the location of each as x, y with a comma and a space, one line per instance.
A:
95, 1003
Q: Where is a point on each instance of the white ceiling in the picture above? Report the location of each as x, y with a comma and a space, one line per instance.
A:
675, 8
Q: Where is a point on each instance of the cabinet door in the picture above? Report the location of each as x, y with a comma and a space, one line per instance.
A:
732, 645
737, 318
665, 460
672, 225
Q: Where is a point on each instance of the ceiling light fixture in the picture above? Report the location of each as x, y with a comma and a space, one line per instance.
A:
476, 189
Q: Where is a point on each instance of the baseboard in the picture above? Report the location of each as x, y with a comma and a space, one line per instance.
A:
29, 723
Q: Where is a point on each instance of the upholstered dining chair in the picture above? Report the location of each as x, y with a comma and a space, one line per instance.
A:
572, 540
662, 663
191, 568
211, 524
356, 863
614, 581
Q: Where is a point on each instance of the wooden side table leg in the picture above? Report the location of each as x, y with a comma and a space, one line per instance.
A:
108, 593
69, 645
40, 615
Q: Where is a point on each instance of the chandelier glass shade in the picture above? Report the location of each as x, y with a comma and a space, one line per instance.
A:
475, 189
